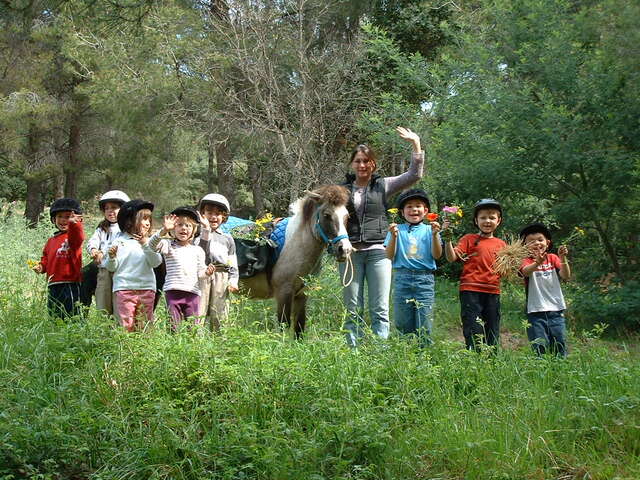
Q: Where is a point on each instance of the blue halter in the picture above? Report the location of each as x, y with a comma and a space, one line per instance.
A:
330, 242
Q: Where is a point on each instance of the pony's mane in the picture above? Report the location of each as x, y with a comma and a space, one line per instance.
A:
302, 209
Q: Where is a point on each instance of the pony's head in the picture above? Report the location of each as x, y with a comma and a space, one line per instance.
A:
325, 210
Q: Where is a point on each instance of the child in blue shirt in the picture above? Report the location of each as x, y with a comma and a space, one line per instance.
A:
414, 248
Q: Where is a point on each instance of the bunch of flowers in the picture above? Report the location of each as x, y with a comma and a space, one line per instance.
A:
576, 234
257, 231
394, 215
452, 214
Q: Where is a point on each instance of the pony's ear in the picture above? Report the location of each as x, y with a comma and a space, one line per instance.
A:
308, 207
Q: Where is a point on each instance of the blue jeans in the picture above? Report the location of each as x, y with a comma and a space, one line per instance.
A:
547, 332
374, 268
413, 297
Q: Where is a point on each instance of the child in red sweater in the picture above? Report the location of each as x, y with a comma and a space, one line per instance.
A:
479, 284
62, 259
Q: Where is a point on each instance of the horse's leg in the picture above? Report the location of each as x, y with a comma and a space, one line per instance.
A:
284, 300
300, 312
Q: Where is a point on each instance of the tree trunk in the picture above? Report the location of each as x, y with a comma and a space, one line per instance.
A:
610, 249
224, 164
256, 187
211, 169
72, 165
34, 201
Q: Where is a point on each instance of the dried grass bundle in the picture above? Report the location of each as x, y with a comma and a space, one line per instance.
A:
509, 259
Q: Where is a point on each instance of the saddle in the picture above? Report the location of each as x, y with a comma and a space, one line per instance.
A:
259, 253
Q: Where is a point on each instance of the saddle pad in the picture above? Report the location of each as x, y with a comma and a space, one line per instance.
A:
278, 235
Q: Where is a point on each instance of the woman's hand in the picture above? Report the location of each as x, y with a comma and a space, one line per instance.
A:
410, 136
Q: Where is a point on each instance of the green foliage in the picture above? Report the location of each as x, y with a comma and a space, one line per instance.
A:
539, 104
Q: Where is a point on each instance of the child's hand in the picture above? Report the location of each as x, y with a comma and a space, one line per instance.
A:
204, 222
142, 239
435, 227
233, 289
37, 268
210, 269
462, 255
539, 256
393, 228
97, 256
75, 218
113, 251
169, 222
563, 251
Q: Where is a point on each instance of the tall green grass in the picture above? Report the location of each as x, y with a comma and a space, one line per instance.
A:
83, 399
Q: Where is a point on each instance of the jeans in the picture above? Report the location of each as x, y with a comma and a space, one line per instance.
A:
374, 268
480, 313
413, 297
547, 332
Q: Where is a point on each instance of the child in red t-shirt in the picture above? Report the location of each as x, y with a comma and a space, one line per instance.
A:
62, 259
542, 272
479, 284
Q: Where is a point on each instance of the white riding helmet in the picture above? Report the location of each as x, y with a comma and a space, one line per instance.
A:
215, 199
115, 196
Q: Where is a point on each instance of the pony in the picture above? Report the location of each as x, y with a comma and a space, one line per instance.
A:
318, 221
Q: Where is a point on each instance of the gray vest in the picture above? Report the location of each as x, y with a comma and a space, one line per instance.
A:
373, 227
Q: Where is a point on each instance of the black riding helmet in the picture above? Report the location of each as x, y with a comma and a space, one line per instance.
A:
64, 205
404, 197
129, 210
187, 212
535, 228
486, 204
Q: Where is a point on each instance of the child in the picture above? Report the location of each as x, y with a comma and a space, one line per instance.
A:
185, 264
542, 272
62, 259
134, 282
414, 247
98, 245
479, 284
221, 251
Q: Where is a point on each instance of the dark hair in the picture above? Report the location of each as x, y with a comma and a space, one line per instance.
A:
371, 156
104, 225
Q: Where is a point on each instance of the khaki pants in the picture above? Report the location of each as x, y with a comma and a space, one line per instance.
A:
104, 296
213, 300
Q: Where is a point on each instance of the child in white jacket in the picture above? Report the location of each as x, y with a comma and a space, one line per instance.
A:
134, 283
99, 242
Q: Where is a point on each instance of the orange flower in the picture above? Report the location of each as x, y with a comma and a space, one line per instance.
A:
432, 217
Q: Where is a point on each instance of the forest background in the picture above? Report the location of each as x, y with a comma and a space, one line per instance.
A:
533, 102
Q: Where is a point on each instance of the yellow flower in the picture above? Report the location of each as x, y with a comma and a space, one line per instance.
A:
393, 211
459, 213
32, 263
268, 217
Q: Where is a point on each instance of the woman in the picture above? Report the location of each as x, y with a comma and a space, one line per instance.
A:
367, 228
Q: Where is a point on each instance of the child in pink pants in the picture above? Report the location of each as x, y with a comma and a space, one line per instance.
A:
132, 264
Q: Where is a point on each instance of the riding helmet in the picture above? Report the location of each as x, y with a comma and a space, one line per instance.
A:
187, 212
486, 204
404, 197
129, 210
64, 205
215, 199
115, 196
535, 228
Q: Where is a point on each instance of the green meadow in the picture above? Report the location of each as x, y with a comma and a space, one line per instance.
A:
83, 399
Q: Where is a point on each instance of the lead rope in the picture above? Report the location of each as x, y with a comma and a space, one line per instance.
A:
346, 270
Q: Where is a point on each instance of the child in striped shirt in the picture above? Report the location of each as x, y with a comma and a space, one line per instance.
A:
185, 264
